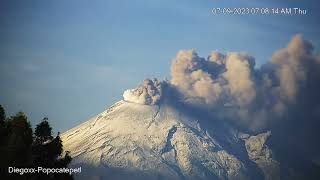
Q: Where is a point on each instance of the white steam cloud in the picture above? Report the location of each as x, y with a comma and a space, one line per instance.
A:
148, 93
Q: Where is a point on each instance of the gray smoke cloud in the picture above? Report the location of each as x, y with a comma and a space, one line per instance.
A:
194, 82
207, 81
233, 89
282, 95
231, 86
149, 93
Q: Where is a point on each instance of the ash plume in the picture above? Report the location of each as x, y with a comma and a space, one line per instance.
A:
281, 95
231, 86
149, 93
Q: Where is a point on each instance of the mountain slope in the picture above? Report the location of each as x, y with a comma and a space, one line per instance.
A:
136, 141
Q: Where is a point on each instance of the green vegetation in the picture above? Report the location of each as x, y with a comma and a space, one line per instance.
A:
19, 147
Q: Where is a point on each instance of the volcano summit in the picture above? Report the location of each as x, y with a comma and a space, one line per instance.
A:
217, 118
165, 141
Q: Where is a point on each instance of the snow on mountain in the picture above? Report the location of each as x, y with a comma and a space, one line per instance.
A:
189, 127
136, 141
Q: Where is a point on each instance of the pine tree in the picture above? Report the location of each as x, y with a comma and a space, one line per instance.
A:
19, 141
16, 144
18, 148
43, 131
40, 148
55, 147
2, 116
3, 128
47, 151
3, 136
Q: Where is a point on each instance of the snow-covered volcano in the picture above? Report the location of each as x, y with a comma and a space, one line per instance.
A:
192, 127
165, 141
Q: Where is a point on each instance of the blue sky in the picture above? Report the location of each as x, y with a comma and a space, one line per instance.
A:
70, 60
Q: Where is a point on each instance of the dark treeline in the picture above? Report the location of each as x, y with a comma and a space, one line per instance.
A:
21, 148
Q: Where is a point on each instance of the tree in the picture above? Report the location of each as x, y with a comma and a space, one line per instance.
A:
18, 148
16, 141
55, 147
19, 141
43, 131
2, 116
3, 135
47, 151
3, 128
